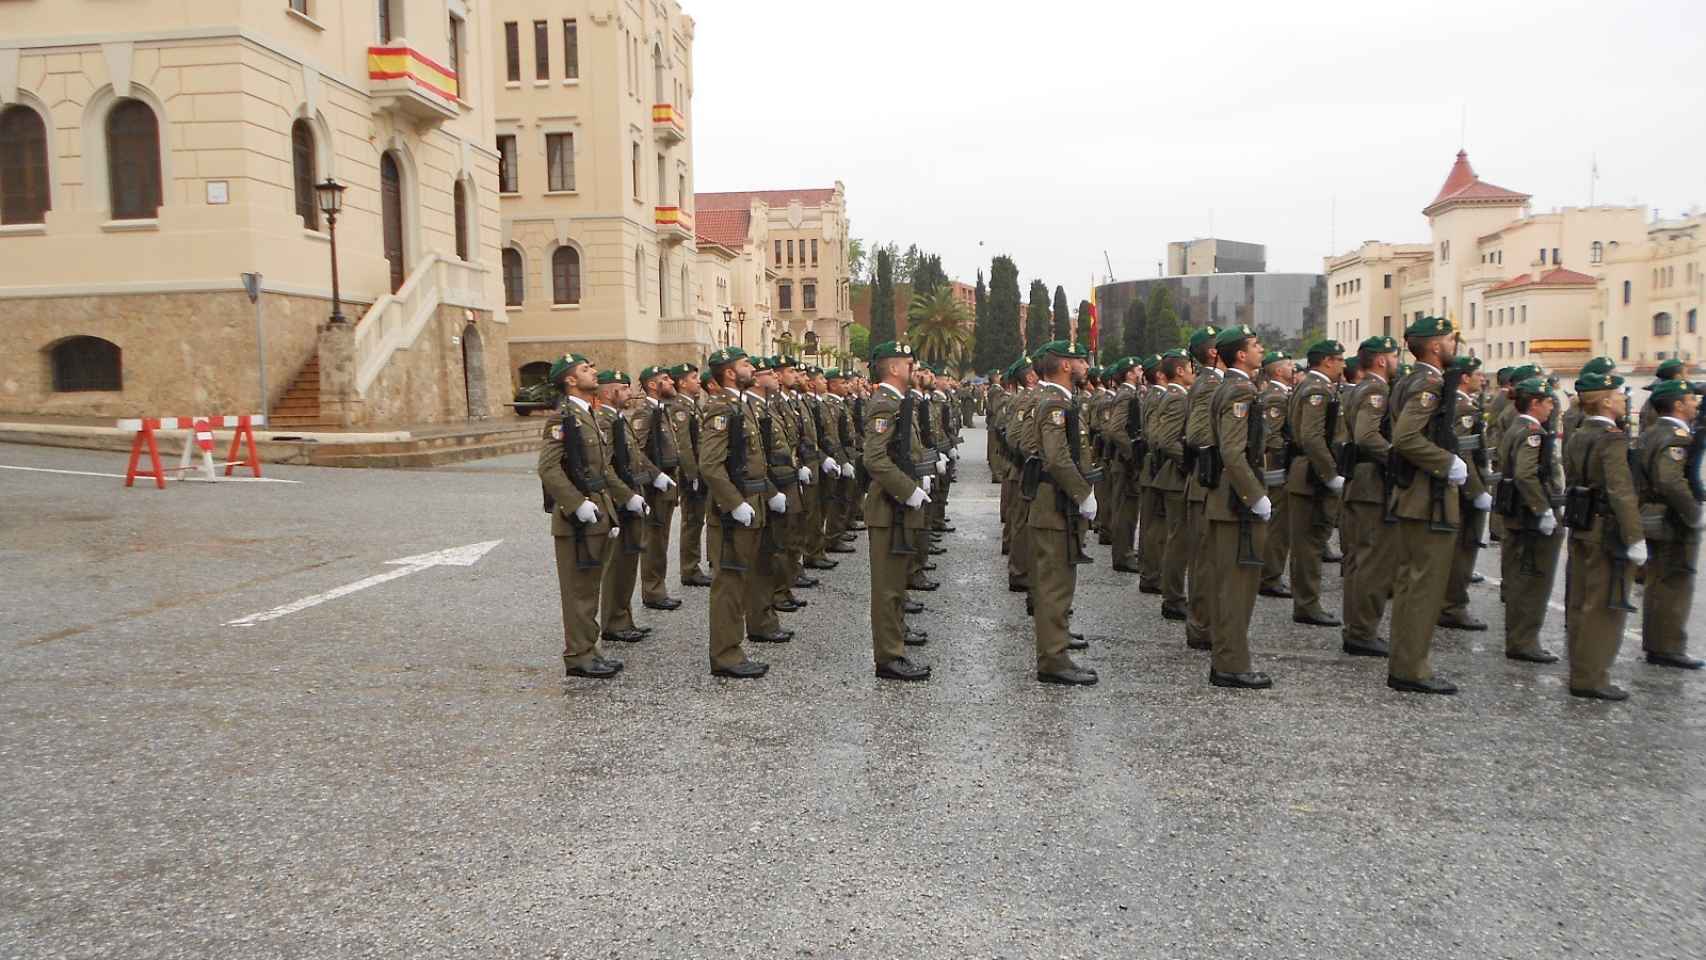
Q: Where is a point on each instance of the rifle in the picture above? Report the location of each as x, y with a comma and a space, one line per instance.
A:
1255, 438
574, 467
1586, 505
622, 460
735, 465
654, 441
1134, 432
698, 496
781, 473
1062, 502
1442, 433
900, 451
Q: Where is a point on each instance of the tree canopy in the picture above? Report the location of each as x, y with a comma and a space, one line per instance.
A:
1039, 317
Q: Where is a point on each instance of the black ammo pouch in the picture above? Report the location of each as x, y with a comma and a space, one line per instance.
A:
1209, 467
1579, 508
1029, 477
784, 479
1345, 458
1188, 459
1506, 503
751, 486
667, 464
1093, 475
1401, 471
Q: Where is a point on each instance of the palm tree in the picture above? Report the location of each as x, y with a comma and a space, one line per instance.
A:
938, 327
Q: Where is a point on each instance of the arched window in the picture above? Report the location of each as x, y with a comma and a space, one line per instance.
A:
657, 75
1596, 252
302, 173
515, 281
133, 160
459, 204
24, 192
87, 363
566, 275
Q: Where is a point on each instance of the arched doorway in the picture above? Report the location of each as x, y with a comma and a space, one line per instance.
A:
474, 370
391, 216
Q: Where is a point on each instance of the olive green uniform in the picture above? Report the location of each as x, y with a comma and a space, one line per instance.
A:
1123, 471
812, 428
654, 430
838, 492
1671, 518
1369, 567
684, 413
1096, 410
1166, 451
1151, 524
622, 573
1596, 457
777, 564
1199, 434
1314, 401
1528, 559
740, 595
1235, 538
1272, 402
895, 531
1056, 528
582, 550
1022, 434
1426, 537
1467, 426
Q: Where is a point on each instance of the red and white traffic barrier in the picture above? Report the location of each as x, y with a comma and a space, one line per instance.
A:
198, 442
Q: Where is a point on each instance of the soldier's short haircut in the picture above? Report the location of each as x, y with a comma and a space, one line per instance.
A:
1522, 401
1416, 345
1047, 364
1171, 366
1664, 405
1366, 359
1227, 353
883, 365
1201, 351
1152, 375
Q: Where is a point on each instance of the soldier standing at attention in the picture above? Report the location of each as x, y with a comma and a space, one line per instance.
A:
631, 476
1475, 500
764, 407
839, 489
894, 511
1672, 369
1096, 406
1572, 418
655, 434
572, 464
1369, 564
1122, 437
1020, 430
1237, 511
684, 411
1151, 526
1671, 511
1199, 434
732, 465
1272, 402
1314, 483
1606, 537
1064, 503
1166, 449
1427, 508
1527, 501
826, 468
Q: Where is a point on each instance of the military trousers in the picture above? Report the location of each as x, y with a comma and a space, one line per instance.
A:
889, 572
1127, 503
1463, 563
774, 575
1368, 569
838, 494
1177, 548
810, 540
735, 588
1668, 595
654, 563
1104, 489
1199, 587
1006, 505
1593, 630
1054, 580
1233, 586
578, 589
621, 574
1019, 556
1277, 552
1424, 564
1151, 537
787, 532
1528, 565
692, 531
1311, 528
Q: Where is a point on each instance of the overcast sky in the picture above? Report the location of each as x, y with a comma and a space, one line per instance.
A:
1065, 128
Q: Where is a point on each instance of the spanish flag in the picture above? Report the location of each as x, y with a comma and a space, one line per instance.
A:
1095, 327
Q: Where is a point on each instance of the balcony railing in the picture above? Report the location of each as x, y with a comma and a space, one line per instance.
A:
667, 125
401, 78
674, 224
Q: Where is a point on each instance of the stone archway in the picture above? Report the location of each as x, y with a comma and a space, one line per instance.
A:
474, 371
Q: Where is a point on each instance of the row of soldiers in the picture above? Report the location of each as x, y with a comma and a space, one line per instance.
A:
1223, 467
763, 456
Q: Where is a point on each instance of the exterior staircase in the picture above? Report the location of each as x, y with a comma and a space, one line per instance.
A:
300, 407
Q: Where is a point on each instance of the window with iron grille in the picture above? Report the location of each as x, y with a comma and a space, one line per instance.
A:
302, 173
25, 194
541, 51
87, 363
571, 50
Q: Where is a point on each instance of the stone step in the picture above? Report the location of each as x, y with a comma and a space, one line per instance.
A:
498, 433
341, 455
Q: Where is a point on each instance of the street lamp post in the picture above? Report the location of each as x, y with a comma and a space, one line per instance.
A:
743, 329
331, 196
728, 319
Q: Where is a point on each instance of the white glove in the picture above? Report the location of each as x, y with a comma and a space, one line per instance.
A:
742, 514
663, 482
953, 454
695, 482
805, 475
1548, 524
1699, 520
1637, 554
1263, 509
778, 503
927, 483
615, 531
831, 467
1087, 509
941, 463
917, 499
635, 504
1458, 475
586, 512
1483, 501
1336, 483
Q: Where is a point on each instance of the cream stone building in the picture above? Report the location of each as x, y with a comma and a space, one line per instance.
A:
594, 125
1553, 288
152, 152
811, 286
734, 245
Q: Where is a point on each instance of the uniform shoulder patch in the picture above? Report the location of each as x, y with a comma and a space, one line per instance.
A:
1241, 409
1428, 399
1676, 453
720, 422
1533, 440
1057, 417
681, 416
1377, 400
880, 424
557, 432
1468, 421
1276, 412
1316, 399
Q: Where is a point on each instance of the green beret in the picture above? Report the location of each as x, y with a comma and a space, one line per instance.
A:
683, 369
1597, 382
652, 371
1598, 365
1504, 375
1532, 387
778, 361
1325, 348
1275, 356
1065, 348
1202, 335
725, 356
1524, 371
1350, 364
1465, 363
1233, 336
1431, 327
763, 363
1379, 345
834, 373
705, 377
1670, 368
889, 349
563, 364
1673, 388
612, 376
1118, 368
1017, 367
1177, 354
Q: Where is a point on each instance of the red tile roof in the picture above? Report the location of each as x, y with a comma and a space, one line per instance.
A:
742, 200
726, 227
1557, 277
1462, 184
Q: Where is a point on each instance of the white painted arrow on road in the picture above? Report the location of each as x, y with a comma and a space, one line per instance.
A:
464, 556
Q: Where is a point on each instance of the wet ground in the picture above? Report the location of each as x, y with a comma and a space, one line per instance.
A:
402, 771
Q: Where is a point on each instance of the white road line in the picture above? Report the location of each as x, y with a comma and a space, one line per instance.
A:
120, 476
463, 556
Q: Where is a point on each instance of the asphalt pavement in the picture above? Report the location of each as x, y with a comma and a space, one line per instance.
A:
401, 770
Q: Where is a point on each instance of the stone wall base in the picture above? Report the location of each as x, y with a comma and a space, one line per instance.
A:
630, 355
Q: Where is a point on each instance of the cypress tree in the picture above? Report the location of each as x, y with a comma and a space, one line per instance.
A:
1136, 329
1039, 317
882, 299
1005, 340
1062, 316
982, 358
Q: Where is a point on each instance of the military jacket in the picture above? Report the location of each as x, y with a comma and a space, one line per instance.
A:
1468, 418
1365, 412
837, 434
1272, 400
640, 469
1668, 509
1199, 423
684, 415
993, 422
1307, 416
1231, 410
720, 411
1166, 433
1116, 426
1526, 450
891, 486
1022, 424
595, 454
1649, 415
1597, 456
654, 433
1064, 460
1415, 400
1495, 429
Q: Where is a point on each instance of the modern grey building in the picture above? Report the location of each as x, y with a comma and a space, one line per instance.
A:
1278, 306
1213, 255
